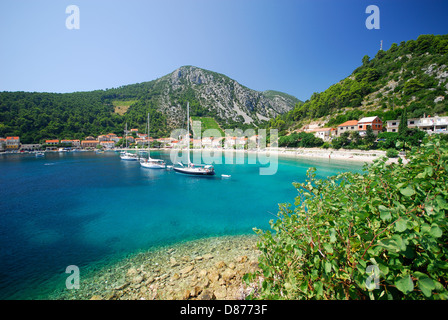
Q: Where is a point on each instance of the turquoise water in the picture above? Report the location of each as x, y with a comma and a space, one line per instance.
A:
86, 209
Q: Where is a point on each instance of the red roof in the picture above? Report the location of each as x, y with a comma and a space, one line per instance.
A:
12, 138
349, 123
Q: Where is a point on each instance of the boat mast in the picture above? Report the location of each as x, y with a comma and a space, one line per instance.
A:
147, 137
126, 135
188, 132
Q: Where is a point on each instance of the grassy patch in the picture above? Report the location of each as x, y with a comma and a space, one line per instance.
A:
208, 123
122, 106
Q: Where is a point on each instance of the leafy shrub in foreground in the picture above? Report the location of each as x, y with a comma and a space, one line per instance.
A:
381, 234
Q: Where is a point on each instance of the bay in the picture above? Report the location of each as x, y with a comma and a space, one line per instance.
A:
87, 209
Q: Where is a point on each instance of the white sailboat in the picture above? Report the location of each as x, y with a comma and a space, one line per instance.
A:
151, 163
124, 155
191, 168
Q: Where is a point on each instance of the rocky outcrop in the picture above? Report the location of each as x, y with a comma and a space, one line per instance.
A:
222, 96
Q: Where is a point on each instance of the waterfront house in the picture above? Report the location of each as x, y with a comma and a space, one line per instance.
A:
89, 143
107, 144
12, 143
351, 125
30, 147
52, 142
374, 122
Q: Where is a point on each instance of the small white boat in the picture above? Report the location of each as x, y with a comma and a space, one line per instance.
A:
40, 154
124, 155
128, 156
191, 168
149, 162
226, 175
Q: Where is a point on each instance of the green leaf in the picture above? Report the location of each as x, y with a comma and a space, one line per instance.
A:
318, 287
384, 213
408, 191
405, 284
328, 248
425, 283
327, 267
435, 231
401, 225
332, 235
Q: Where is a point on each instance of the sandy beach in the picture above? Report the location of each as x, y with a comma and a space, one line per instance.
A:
366, 156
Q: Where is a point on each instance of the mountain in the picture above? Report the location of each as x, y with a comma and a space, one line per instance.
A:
411, 75
37, 116
211, 94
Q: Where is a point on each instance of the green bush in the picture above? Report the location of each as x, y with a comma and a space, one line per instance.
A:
388, 223
391, 153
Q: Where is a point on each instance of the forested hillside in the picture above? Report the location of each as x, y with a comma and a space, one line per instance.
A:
38, 116
411, 75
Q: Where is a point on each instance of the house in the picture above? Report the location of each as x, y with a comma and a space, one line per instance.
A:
107, 144
168, 142
323, 133
30, 147
392, 125
12, 143
52, 142
429, 124
374, 122
76, 143
230, 142
217, 142
433, 124
89, 143
351, 125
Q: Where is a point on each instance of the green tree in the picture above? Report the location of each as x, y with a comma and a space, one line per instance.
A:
370, 137
388, 223
403, 125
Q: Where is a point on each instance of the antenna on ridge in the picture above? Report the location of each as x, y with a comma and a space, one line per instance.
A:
381, 45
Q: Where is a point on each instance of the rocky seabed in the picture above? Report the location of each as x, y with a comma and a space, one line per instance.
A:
204, 269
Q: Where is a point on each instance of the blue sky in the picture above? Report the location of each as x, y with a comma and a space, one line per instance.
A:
294, 46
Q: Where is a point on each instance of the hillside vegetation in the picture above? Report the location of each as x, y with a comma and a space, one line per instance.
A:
411, 75
35, 116
380, 234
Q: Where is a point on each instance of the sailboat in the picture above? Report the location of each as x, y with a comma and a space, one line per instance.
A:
124, 155
151, 163
191, 168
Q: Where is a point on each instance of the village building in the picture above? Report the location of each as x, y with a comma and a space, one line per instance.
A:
351, 125
107, 144
52, 142
374, 122
89, 143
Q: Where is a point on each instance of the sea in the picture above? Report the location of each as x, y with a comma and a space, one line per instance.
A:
87, 209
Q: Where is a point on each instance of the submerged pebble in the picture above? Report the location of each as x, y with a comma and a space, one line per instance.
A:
204, 269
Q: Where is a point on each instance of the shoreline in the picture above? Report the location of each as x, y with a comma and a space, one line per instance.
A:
365, 156
203, 269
